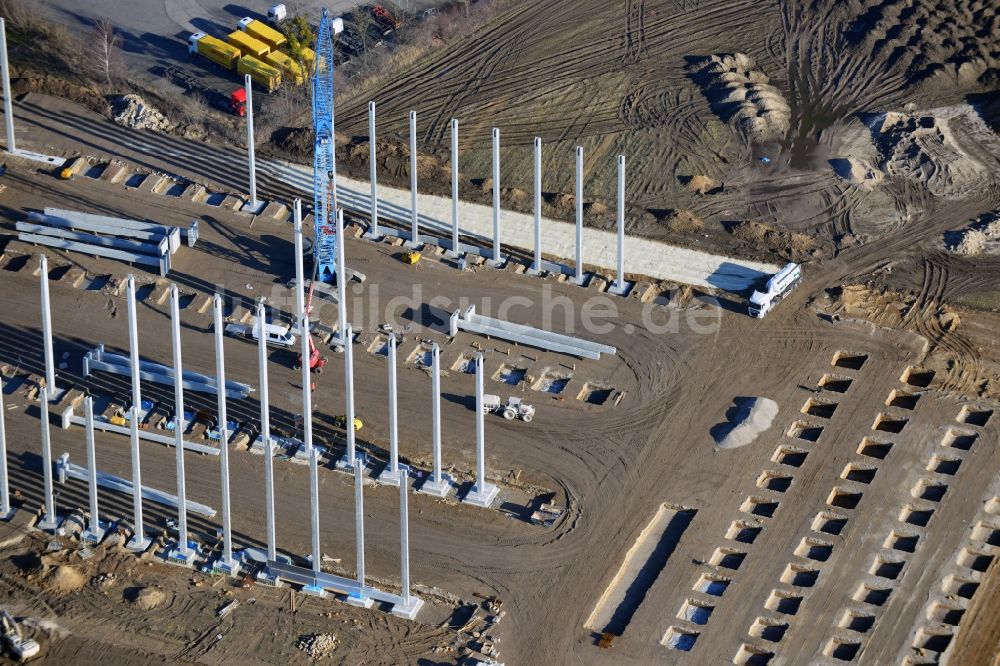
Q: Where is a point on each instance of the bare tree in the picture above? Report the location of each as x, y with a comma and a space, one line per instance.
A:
363, 21
104, 47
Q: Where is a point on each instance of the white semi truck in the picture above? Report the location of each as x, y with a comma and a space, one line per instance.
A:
778, 286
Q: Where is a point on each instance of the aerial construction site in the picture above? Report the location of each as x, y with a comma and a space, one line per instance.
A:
500, 332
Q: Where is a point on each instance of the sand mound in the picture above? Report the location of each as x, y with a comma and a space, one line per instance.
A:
65, 579
685, 221
317, 646
980, 237
134, 112
146, 598
747, 419
740, 94
702, 184
790, 244
856, 172
947, 150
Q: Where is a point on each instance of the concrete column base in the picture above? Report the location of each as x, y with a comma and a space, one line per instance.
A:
408, 610
269, 579
413, 245
92, 538
440, 488
345, 464
623, 290
137, 545
8, 514
496, 263
222, 568
48, 524
580, 281
375, 238
359, 601
254, 207
390, 478
180, 558
315, 591
481, 497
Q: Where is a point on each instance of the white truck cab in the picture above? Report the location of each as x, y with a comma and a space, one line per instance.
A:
275, 334
778, 286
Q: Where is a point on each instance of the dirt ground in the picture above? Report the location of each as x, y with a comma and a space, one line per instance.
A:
861, 526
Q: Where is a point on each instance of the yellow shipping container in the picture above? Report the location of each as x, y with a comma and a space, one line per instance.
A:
247, 45
288, 67
263, 32
264, 75
216, 50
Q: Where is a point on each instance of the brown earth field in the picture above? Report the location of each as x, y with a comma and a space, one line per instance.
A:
856, 519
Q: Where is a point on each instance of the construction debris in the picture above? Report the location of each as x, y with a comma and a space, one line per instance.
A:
317, 646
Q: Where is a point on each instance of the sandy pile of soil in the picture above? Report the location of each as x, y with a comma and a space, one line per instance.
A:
741, 94
789, 244
980, 237
856, 171
702, 185
147, 598
134, 112
65, 579
947, 150
685, 221
317, 646
749, 418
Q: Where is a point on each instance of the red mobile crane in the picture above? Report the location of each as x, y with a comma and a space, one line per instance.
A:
316, 361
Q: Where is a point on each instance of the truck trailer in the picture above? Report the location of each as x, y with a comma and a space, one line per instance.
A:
262, 32
213, 49
290, 70
264, 75
247, 45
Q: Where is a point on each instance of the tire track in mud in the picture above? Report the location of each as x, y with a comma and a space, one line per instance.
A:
634, 38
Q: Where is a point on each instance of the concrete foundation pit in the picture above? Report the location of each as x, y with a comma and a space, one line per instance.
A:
594, 393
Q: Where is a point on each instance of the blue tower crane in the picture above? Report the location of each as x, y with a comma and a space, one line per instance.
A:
324, 169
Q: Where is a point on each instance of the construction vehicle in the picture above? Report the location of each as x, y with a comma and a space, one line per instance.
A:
216, 50
341, 422
277, 14
515, 407
235, 102
777, 287
385, 17
247, 44
276, 335
66, 173
18, 647
262, 32
411, 257
265, 76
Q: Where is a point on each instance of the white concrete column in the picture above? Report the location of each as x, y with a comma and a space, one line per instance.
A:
373, 168
8, 100
409, 605
436, 411
496, 196
414, 221
579, 215
620, 279
454, 187
361, 598
390, 475
351, 453
139, 541
94, 531
306, 378
179, 426
404, 537
5, 509
538, 205
49, 522
341, 278
253, 205
50, 363
265, 434
482, 493
226, 562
